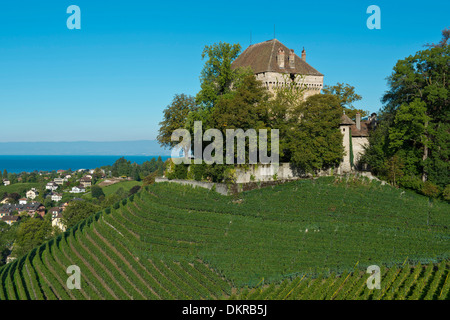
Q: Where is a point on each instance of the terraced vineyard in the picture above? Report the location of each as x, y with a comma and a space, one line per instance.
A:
427, 282
176, 242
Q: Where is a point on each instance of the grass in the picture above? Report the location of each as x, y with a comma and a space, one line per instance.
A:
126, 185
111, 189
20, 188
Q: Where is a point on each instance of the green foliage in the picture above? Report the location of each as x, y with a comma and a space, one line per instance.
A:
414, 123
446, 192
315, 142
31, 233
77, 211
201, 247
430, 190
175, 116
97, 192
347, 96
217, 76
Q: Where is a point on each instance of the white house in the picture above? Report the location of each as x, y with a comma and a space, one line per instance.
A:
78, 189
23, 201
56, 197
6, 182
57, 221
32, 194
59, 181
51, 186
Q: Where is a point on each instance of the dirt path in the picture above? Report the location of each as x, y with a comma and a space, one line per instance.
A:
31, 282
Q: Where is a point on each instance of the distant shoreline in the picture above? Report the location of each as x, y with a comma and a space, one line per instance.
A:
31, 163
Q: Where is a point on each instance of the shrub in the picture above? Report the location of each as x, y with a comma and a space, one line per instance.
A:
446, 193
411, 182
181, 171
430, 190
198, 171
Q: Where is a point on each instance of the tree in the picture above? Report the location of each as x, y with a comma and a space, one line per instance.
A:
415, 120
77, 211
217, 76
175, 116
7, 237
121, 167
313, 137
246, 108
31, 233
443, 42
134, 190
97, 174
5, 174
347, 96
97, 192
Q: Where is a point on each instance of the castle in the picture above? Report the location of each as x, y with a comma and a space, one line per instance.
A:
276, 65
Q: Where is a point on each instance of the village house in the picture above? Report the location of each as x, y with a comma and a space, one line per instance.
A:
5, 200
86, 181
59, 181
51, 186
56, 197
32, 194
6, 182
78, 189
23, 201
10, 219
29, 208
57, 221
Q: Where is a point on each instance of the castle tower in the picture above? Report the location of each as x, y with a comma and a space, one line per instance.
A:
275, 64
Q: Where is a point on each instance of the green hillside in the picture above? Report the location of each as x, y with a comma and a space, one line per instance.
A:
177, 242
20, 188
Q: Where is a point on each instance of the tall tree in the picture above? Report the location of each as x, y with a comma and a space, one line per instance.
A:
313, 138
175, 116
347, 96
31, 233
77, 211
217, 76
415, 121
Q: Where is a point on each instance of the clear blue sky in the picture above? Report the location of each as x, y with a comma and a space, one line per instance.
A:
112, 79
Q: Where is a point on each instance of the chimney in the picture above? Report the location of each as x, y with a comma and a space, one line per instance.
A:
280, 57
304, 54
358, 121
291, 59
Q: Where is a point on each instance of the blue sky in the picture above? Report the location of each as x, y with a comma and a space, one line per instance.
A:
112, 79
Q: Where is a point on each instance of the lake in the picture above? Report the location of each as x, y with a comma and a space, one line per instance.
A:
17, 164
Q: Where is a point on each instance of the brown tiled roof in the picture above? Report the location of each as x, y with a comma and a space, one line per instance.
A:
262, 57
364, 132
10, 218
346, 120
